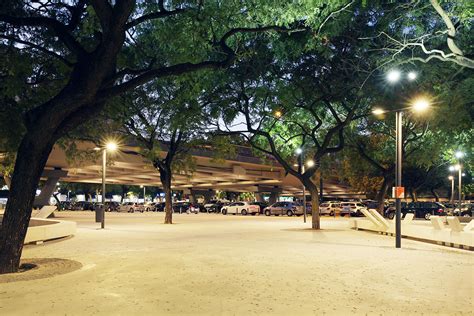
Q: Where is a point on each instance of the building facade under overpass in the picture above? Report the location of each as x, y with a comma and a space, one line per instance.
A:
242, 172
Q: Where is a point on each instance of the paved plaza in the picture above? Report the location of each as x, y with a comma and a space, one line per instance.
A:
234, 265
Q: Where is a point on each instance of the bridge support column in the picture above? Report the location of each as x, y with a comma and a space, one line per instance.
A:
48, 188
274, 196
259, 197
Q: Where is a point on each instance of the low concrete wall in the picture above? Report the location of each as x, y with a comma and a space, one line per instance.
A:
45, 229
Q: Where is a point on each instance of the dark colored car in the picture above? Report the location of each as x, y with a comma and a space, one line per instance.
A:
82, 206
419, 209
214, 206
159, 207
112, 206
63, 206
185, 207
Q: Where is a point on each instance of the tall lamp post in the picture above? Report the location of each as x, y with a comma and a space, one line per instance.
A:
451, 198
300, 153
109, 146
418, 105
459, 155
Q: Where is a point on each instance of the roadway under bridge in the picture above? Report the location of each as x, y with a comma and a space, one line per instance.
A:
243, 172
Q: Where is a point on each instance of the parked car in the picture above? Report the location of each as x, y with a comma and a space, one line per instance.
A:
466, 210
284, 208
352, 208
85, 206
149, 206
243, 208
159, 207
112, 206
419, 209
215, 206
130, 207
261, 205
76, 206
185, 207
330, 208
64, 205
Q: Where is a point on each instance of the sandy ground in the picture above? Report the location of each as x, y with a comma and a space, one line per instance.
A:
234, 265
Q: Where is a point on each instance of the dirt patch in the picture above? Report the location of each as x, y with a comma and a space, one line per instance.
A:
40, 268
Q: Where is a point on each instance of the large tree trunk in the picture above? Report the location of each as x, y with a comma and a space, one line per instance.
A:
313, 191
413, 195
124, 192
31, 159
435, 194
380, 198
165, 176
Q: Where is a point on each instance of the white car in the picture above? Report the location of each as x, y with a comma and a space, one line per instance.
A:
352, 208
243, 208
330, 208
130, 207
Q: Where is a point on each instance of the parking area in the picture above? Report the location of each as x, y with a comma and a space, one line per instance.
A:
228, 265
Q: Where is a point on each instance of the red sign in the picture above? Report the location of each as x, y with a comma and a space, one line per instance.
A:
398, 192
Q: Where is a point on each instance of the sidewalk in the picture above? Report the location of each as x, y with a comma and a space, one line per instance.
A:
234, 265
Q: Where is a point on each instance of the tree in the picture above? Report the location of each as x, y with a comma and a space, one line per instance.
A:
74, 61
166, 120
417, 32
304, 101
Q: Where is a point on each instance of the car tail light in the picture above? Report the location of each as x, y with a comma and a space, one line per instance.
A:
440, 210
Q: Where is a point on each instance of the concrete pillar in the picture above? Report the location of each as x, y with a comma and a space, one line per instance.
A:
192, 197
274, 196
46, 192
208, 195
259, 197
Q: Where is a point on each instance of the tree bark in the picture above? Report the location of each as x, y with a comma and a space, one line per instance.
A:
381, 194
31, 158
313, 191
124, 192
413, 195
165, 177
435, 194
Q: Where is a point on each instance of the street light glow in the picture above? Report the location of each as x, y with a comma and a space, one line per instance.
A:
298, 151
459, 154
111, 146
310, 163
393, 75
278, 114
451, 168
412, 75
378, 111
451, 178
457, 167
420, 105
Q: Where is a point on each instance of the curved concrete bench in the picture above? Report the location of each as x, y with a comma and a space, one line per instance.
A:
41, 229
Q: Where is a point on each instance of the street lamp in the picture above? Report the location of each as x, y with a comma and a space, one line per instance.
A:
394, 76
299, 152
451, 199
458, 168
111, 146
418, 105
